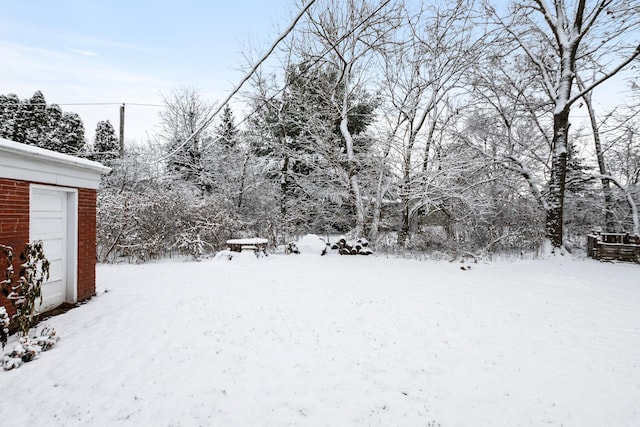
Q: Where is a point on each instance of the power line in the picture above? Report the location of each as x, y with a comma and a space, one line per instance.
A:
145, 105
244, 80
302, 73
82, 104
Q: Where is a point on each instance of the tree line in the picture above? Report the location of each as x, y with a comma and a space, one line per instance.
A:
453, 126
33, 121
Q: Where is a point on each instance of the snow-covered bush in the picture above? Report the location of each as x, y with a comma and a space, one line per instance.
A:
7, 251
160, 222
4, 326
204, 226
28, 348
34, 270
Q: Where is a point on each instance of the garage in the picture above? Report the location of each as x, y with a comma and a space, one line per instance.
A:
49, 196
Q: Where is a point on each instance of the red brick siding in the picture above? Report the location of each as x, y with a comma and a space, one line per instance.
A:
14, 225
14, 232
86, 243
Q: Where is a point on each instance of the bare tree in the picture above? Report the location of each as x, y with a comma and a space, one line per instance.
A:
344, 35
620, 154
557, 37
423, 68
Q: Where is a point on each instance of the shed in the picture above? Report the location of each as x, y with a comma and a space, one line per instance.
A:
50, 196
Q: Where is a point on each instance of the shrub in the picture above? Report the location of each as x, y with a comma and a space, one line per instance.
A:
34, 271
28, 348
4, 326
5, 283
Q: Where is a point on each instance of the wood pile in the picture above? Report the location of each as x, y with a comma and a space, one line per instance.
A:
291, 248
359, 247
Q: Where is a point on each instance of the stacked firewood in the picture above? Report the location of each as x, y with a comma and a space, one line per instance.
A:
358, 247
291, 248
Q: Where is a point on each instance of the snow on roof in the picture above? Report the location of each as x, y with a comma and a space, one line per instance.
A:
29, 163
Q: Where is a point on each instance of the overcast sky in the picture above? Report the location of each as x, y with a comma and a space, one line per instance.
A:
117, 51
133, 51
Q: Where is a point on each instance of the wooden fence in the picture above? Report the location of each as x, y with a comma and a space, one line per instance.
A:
614, 246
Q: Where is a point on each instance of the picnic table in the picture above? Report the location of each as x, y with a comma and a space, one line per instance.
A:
255, 244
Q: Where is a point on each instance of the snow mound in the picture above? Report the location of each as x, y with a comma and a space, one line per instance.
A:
246, 255
311, 244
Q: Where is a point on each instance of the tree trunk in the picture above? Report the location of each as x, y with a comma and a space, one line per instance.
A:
606, 187
284, 182
634, 210
554, 216
377, 210
242, 179
380, 192
407, 184
405, 195
351, 159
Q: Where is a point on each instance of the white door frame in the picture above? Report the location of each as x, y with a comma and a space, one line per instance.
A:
71, 260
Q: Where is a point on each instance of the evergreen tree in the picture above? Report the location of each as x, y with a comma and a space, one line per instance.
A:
9, 106
226, 131
72, 132
230, 160
31, 121
298, 134
185, 138
21, 123
106, 145
53, 134
35, 118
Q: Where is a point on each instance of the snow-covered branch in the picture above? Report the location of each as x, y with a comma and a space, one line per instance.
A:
606, 76
629, 197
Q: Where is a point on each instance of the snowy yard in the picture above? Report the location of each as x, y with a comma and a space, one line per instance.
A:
342, 341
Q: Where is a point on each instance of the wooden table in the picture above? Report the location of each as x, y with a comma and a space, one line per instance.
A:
255, 244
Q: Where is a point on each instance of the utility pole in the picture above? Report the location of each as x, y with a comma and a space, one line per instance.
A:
122, 130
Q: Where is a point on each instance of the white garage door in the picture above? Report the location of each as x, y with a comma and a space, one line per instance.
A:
49, 224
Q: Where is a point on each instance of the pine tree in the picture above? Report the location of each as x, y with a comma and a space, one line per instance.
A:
21, 123
298, 134
53, 133
106, 145
36, 120
31, 121
185, 137
72, 132
226, 131
9, 106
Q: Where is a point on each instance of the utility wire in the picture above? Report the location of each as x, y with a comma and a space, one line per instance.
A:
304, 71
255, 67
82, 103
245, 79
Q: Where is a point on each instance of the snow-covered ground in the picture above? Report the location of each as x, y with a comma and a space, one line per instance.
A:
342, 341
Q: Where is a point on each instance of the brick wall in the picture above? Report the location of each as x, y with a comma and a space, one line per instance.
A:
86, 243
14, 225
14, 232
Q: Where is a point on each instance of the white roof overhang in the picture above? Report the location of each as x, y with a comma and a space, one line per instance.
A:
28, 163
